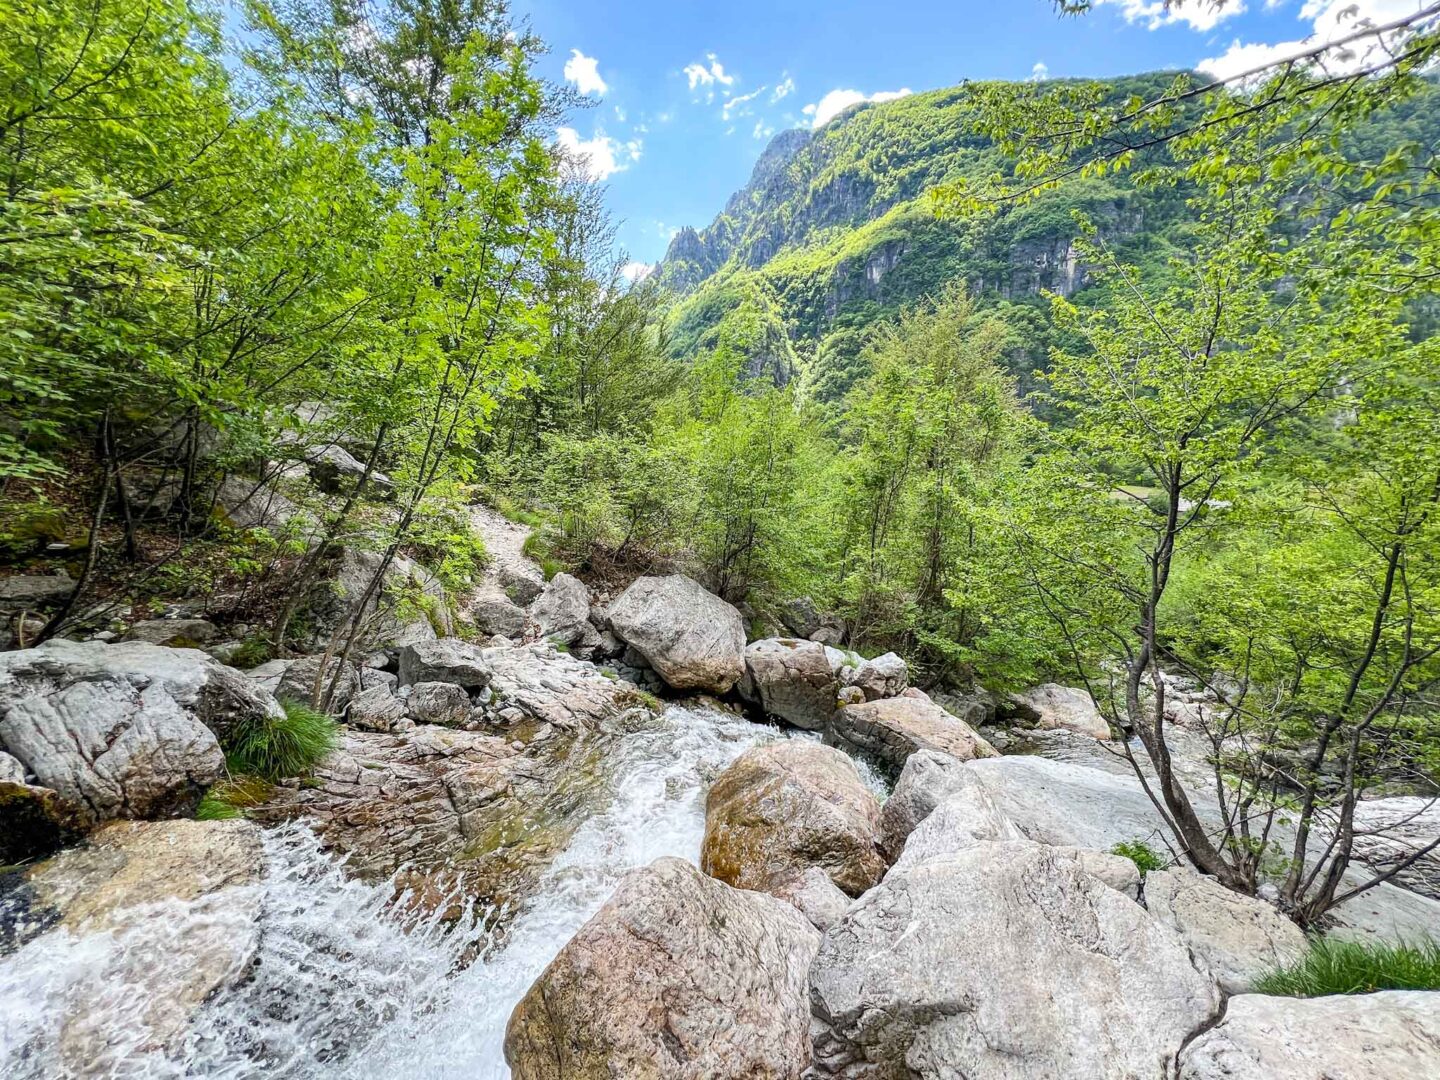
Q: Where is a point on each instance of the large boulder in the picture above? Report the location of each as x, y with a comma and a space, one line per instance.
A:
1236, 938
882, 676
378, 709
118, 731
297, 680
561, 614
691, 637
411, 605
928, 779
1063, 707
786, 806
24, 592
894, 728
444, 660
166, 913
1392, 831
178, 633
439, 703
554, 688
964, 818
678, 976
1004, 961
791, 679
1394, 1035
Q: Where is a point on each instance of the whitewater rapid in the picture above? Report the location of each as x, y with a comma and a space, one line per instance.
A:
345, 985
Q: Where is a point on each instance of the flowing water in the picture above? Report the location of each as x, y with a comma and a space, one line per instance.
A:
344, 985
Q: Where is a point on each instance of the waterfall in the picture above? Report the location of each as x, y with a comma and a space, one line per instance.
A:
348, 984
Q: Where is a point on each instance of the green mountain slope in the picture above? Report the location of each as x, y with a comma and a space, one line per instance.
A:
836, 230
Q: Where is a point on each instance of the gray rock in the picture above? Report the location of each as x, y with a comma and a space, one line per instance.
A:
562, 612
559, 689
695, 640
438, 703
815, 896
894, 728
371, 677
444, 660
1390, 831
785, 806
1055, 706
976, 707
249, 504
1394, 1035
492, 612
129, 730
378, 709
295, 680
928, 779
792, 679
34, 591
965, 817
927, 975
678, 976
11, 771
336, 471
1236, 938
884, 676
412, 605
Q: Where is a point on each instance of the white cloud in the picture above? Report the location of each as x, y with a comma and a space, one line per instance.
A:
700, 75
1329, 20
636, 271
1197, 14
738, 105
762, 130
584, 72
601, 156
837, 101
1040, 72
784, 89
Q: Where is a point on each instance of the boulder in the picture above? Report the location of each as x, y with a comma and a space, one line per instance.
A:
492, 612
554, 688
1055, 706
444, 660
1394, 1035
438, 703
561, 614
786, 806
180, 633
1390, 831
803, 619
815, 896
965, 817
168, 914
884, 676
1004, 961
295, 680
130, 730
791, 679
24, 591
251, 504
894, 728
336, 471
412, 605
378, 709
695, 640
1236, 938
677, 977
928, 779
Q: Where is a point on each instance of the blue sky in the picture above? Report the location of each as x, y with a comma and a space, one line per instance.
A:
686, 94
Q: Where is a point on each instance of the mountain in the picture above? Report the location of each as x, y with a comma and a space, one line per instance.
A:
836, 231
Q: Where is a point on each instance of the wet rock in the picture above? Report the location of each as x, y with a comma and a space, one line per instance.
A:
151, 964
792, 679
786, 806
926, 975
894, 728
1054, 706
1236, 938
445, 660
378, 709
678, 977
1394, 1034
129, 730
438, 703
695, 640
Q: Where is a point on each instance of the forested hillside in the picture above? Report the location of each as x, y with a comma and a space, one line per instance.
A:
837, 230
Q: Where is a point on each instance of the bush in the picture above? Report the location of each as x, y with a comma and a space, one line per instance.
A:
1350, 967
275, 748
1141, 854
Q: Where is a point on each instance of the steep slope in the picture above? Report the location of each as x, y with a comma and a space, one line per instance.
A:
836, 231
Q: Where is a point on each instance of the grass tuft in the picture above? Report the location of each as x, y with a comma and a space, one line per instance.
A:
1352, 967
276, 748
214, 808
1141, 854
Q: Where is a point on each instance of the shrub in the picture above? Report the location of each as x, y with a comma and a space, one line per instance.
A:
1141, 854
277, 747
1352, 967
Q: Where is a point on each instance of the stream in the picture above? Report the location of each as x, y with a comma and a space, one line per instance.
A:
344, 985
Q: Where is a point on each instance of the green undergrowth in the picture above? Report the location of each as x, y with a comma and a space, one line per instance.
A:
280, 747
1352, 967
1141, 854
